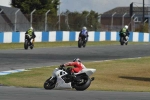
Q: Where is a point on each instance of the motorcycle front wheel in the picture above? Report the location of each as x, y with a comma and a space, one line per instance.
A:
121, 41
79, 43
26, 44
50, 83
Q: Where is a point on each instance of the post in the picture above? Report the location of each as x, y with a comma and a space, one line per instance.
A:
31, 17
143, 11
1, 11
86, 17
131, 22
99, 21
149, 19
143, 16
112, 20
46, 19
59, 16
145, 21
123, 19
136, 18
66, 20
16, 19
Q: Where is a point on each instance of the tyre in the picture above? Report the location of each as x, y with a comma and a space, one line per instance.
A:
84, 84
26, 44
31, 46
50, 84
84, 44
122, 41
126, 43
79, 44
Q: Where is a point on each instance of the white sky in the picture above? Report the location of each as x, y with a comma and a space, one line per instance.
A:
99, 6
5, 3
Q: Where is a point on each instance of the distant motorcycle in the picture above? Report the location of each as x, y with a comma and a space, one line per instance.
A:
81, 42
61, 80
124, 40
27, 42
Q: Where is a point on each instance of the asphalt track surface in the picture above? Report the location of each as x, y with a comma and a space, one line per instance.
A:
38, 57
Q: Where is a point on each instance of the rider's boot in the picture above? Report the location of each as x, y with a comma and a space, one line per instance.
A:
33, 42
74, 78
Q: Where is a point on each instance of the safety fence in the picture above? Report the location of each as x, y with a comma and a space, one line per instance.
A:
54, 36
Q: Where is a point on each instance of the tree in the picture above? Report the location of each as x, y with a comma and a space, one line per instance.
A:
77, 20
27, 6
69, 20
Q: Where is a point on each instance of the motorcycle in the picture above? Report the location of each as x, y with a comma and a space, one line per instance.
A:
124, 40
60, 79
27, 42
81, 42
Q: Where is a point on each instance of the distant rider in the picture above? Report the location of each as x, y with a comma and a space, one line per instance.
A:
32, 35
78, 66
124, 32
84, 34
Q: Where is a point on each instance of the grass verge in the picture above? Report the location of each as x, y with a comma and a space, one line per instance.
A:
59, 44
116, 75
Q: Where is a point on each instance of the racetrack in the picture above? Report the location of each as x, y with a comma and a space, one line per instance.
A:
38, 57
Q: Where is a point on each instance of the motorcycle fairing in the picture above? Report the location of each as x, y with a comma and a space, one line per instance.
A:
88, 71
60, 82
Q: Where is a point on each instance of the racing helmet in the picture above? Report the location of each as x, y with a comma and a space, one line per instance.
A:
31, 28
76, 60
126, 26
84, 28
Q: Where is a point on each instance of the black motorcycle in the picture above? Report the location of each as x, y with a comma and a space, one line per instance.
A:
81, 42
27, 42
124, 39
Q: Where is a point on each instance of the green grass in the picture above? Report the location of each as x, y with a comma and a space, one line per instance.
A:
116, 75
59, 44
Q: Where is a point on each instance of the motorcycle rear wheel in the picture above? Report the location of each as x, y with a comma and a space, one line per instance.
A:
126, 43
31, 46
85, 83
84, 44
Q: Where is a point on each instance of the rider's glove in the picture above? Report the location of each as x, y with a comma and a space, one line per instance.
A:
61, 66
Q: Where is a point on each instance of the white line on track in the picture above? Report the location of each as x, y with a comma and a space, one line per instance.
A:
117, 59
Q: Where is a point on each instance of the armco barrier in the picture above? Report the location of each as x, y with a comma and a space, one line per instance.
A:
52, 36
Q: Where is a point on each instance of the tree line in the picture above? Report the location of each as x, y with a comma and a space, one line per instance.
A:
72, 21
